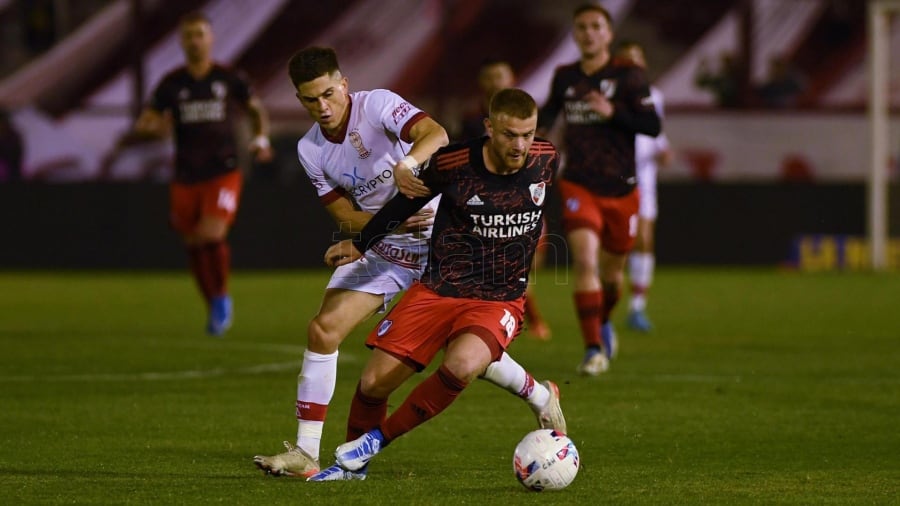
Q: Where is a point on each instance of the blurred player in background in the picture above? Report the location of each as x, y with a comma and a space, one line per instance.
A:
604, 105
495, 75
493, 190
651, 154
202, 101
363, 148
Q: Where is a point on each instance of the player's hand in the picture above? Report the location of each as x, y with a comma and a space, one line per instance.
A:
599, 103
261, 148
342, 253
408, 183
417, 223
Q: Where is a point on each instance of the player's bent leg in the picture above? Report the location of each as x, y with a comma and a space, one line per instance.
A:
542, 398
341, 311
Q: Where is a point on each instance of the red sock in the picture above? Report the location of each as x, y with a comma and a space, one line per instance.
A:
218, 258
426, 401
532, 315
366, 413
589, 306
610, 298
200, 270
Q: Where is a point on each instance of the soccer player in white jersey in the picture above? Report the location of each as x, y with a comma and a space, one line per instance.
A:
364, 146
651, 153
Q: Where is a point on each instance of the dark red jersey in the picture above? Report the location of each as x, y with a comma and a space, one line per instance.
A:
487, 225
205, 112
600, 151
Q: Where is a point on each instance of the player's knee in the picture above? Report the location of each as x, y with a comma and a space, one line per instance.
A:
321, 338
371, 387
466, 368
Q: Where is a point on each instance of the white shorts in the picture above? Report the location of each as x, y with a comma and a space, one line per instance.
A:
647, 188
375, 273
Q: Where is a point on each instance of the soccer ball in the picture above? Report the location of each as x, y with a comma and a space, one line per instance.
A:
545, 460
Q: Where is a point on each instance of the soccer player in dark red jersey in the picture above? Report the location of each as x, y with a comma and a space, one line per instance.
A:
201, 101
470, 300
604, 106
493, 76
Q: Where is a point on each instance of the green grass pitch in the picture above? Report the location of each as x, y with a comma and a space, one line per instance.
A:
758, 387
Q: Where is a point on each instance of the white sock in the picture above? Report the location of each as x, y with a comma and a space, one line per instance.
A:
640, 272
315, 388
510, 375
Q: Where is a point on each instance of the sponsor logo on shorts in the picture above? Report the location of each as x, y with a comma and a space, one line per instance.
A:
573, 204
384, 326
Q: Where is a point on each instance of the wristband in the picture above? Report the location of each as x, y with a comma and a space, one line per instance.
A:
411, 164
261, 142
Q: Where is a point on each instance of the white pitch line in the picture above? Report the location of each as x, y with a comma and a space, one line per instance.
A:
182, 375
153, 376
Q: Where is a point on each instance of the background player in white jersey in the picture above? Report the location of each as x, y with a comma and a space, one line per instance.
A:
360, 144
651, 153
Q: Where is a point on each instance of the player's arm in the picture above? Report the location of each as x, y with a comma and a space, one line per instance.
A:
550, 110
382, 224
260, 146
640, 120
348, 219
427, 137
351, 221
636, 110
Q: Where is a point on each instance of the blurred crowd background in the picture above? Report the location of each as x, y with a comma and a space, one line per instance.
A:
755, 89
766, 104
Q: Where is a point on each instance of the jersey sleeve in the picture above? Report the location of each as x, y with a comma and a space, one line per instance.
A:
633, 106
393, 113
550, 110
326, 189
163, 97
241, 89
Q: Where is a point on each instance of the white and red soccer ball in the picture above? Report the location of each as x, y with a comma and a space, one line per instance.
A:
546, 460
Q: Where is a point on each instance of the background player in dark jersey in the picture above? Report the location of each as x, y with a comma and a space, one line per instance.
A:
470, 299
604, 105
493, 76
201, 101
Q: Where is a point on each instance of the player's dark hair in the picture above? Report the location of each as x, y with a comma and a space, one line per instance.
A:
514, 102
593, 7
490, 61
193, 17
311, 63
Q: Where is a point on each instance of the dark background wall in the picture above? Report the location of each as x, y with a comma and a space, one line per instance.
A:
281, 225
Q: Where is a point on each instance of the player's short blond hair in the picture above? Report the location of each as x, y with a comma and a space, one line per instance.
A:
514, 102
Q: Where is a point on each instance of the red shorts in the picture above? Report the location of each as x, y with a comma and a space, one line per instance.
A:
219, 197
614, 219
423, 323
